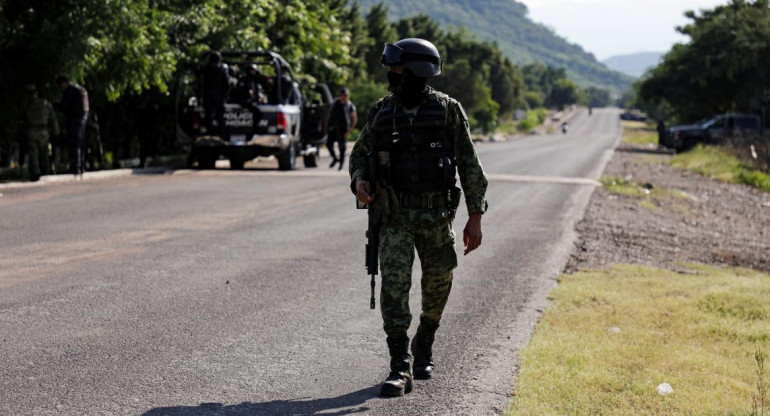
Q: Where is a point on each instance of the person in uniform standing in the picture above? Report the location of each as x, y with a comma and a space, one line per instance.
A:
342, 118
40, 125
215, 84
417, 139
74, 105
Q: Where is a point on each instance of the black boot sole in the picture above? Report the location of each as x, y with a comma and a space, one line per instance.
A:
422, 375
386, 391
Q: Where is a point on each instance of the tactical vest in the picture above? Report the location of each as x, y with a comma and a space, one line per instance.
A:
420, 148
37, 113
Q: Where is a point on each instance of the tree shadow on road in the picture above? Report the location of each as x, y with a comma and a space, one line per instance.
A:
333, 406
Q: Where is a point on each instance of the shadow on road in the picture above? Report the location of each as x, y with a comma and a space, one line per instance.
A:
347, 404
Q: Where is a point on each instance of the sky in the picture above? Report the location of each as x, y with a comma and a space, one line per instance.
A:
617, 27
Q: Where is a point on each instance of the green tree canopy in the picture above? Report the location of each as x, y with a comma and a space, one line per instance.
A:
723, 68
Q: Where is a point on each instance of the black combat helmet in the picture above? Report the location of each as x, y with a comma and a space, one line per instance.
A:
418, 55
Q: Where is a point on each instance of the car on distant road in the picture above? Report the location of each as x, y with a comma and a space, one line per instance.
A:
713, 130
287, 125
633, 115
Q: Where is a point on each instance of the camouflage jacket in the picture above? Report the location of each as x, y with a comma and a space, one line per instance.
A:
472, 177
39, 119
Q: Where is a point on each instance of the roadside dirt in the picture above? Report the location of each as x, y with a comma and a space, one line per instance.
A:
692, 219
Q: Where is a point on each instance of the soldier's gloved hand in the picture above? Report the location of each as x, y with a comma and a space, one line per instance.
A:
363, 191
472, 233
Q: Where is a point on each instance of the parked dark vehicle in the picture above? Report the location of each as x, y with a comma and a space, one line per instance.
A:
633, 115
277, 120
712, 131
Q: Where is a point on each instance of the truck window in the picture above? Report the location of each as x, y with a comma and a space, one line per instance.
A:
717, 123
747, 123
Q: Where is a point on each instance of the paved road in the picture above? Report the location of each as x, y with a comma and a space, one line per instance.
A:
244, 293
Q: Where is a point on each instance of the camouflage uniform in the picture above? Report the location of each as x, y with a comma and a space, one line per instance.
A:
429, 231
39, 121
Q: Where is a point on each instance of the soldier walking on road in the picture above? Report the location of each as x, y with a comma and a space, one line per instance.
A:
40, 125
422, 139
342, 118
74, 105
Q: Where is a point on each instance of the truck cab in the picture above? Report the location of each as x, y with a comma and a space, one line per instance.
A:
713, 130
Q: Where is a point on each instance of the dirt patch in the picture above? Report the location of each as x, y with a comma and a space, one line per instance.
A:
677, 216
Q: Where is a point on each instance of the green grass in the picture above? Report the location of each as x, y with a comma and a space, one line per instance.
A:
651, 198
636, 132
507, 127
714, 162
699, 332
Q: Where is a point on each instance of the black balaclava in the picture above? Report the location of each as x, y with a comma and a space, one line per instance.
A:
408, 87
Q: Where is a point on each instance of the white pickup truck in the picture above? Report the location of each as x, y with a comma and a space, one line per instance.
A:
285, 124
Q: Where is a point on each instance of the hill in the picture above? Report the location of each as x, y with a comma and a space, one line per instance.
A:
634, 64
524, 41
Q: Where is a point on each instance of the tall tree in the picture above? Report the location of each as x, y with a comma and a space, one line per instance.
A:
723, 68
381, 32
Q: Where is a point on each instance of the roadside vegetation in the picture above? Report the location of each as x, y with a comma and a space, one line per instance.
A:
640, 133
612, 337
720, 69
718, 163
534, 118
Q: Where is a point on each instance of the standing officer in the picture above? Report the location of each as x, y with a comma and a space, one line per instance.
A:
40, 124
422, 140
342, 118
216, 87
74, 105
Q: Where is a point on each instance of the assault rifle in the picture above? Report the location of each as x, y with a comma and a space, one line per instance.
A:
372, 253
375, 221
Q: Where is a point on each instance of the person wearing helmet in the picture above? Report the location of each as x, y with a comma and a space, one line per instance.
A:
403, 166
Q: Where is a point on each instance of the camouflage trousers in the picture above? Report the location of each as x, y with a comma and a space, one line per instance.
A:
429, 231
37, 149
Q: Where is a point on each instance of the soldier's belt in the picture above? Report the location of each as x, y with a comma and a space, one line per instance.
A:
422, 201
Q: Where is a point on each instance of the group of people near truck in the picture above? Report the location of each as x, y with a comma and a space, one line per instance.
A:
41, 126
247, 86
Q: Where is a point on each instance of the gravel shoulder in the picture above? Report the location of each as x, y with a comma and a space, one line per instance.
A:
698, 219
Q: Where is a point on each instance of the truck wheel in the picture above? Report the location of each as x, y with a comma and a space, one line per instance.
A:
288, 159
310, 161
236, 164
207, 160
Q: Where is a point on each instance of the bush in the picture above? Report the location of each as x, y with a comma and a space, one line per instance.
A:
723, 164
534, 99
526, 125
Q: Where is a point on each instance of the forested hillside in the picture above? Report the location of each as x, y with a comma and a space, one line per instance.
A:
506, 22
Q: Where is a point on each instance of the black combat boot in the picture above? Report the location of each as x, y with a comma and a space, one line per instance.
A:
399, 381
422, 349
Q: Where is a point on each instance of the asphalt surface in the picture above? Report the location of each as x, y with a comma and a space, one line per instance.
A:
244, 293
